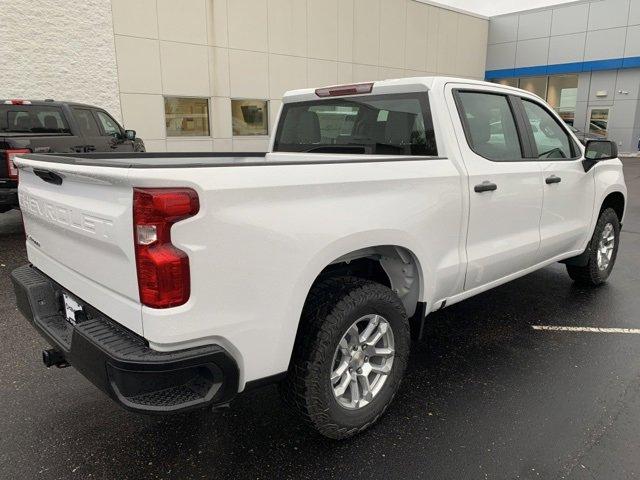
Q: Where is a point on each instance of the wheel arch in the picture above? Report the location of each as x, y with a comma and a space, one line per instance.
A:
395, 266
615, 200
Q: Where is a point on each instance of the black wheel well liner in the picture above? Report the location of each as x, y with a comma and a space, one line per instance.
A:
616, 201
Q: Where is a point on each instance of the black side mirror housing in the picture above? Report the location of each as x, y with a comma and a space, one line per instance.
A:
130, 134
598, 150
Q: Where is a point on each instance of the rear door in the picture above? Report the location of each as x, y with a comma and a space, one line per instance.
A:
79, 227
504, 187
569, 191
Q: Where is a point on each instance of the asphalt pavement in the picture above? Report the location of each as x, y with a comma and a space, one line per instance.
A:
485, 396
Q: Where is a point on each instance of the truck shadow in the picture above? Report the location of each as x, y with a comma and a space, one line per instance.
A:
475, 355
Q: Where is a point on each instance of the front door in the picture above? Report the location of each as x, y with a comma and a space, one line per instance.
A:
113, 133
505, 189
569, 191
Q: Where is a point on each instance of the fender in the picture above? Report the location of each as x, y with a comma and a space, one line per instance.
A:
340, 248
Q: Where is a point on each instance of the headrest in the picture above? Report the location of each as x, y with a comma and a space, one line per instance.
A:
51, 122
398, 128
308, 130
23, 122
480, 129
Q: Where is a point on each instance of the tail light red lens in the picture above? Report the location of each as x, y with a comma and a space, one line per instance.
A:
163, 269
12, 171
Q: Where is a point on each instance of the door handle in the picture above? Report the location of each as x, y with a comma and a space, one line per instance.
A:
485, 186
552, 179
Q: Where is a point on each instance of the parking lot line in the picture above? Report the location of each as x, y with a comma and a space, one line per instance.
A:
558, 328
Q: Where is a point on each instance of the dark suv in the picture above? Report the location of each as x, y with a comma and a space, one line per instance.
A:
54, 127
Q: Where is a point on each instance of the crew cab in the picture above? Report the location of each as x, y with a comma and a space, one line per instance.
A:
176, 281
50, 126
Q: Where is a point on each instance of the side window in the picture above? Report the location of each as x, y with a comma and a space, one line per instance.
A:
86, 122
550, 139
109, 126
489, 126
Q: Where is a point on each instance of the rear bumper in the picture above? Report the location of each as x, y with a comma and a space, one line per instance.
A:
119, 362
8, 198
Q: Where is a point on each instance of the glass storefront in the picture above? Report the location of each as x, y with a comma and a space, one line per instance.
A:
560, 91
599, 121
186, 117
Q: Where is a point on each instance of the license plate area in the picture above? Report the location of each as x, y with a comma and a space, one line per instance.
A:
73, 310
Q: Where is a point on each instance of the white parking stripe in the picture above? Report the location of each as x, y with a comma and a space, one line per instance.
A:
557, 328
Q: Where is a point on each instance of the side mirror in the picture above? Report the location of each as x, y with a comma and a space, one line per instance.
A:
130, 134
597, 150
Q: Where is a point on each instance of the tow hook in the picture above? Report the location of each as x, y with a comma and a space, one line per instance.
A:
51, 357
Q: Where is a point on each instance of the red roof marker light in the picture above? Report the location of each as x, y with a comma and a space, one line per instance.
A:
340, 90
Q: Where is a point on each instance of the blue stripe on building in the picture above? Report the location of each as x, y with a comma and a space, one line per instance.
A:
558, 68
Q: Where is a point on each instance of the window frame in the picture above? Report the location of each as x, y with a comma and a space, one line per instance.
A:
423, 100
267, 103
576, 153
524, 140
210, 133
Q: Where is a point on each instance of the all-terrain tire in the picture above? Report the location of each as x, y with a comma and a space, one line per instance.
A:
332, 307
590, 274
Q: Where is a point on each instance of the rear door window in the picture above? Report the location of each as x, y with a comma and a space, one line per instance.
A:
32, 119
86, 122
395, 124
489, 125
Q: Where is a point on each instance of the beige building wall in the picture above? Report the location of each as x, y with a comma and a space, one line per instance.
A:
258, 49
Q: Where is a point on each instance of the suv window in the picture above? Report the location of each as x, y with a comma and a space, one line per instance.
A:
86, 123
109, 126
32, 119
489, 125
550, 139
398, 124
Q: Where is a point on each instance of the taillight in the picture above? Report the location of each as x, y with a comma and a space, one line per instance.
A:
11, 168
339, 90
163, 269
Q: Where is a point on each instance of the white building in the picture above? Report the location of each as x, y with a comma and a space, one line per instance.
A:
209, 74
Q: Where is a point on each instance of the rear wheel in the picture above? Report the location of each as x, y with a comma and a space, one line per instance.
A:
602, 251
349, 357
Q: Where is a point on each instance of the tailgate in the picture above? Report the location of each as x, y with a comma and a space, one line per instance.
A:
79, 227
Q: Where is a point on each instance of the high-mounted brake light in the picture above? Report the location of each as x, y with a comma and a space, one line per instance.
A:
163, 269
340, 90
17, 101
12, 171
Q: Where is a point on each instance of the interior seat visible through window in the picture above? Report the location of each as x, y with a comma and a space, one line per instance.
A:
490, 126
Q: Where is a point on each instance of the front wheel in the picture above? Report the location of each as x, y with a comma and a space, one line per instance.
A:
349, 357
601, 251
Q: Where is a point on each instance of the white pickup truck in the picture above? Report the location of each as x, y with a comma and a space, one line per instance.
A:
175, 281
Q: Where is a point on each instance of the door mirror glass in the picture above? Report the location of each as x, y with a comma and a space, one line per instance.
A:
600, 150
130, 134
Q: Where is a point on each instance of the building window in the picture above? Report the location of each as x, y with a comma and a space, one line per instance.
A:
537, 85
249, 117
508, 82
562, 94
186, 117
598, 121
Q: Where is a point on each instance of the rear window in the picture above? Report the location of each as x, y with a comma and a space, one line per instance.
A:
395, 124
32, 119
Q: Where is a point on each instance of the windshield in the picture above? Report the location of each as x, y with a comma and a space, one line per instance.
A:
32, 119
393, 124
